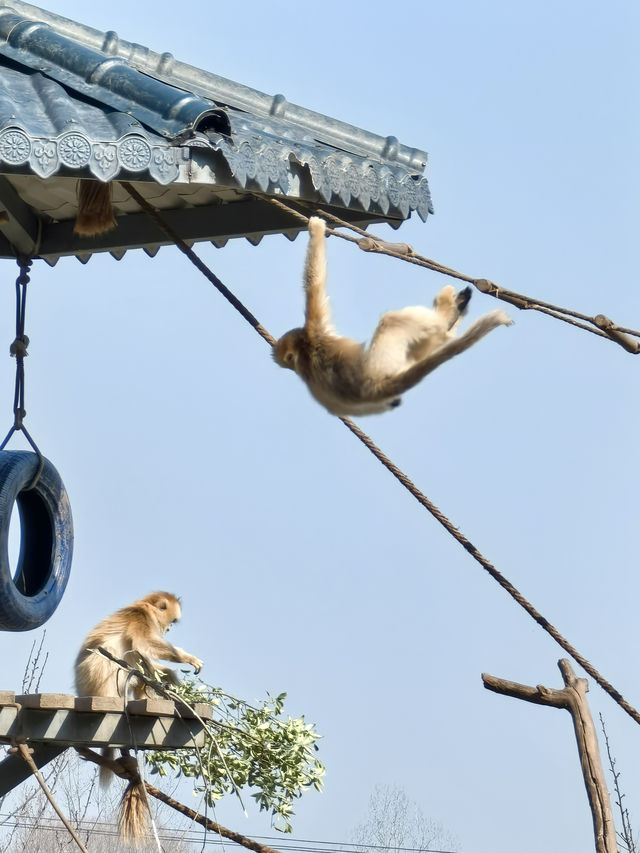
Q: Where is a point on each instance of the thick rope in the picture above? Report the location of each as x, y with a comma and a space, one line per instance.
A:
25, 752
425, 502
204, 269
491, 569
598, 325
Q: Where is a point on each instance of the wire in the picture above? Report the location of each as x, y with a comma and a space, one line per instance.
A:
295, 845
398, 474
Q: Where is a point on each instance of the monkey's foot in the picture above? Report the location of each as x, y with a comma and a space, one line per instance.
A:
445, 301
462, 299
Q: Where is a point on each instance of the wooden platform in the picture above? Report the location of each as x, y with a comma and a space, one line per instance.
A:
52, 722
100, 721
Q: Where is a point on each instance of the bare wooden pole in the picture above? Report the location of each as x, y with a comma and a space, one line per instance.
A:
25, 752
573, 698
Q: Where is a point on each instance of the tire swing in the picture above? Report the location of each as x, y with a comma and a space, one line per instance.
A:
30, 596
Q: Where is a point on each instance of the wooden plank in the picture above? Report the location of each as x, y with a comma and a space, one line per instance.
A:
14, 769
46, 700
152, 707
96, 729
155, 706
99, 703
202, 709
7, 697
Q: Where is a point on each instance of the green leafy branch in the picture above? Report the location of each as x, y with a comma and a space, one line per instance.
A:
247, 746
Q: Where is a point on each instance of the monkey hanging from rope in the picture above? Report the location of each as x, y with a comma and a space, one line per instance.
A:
134, 634
349, 378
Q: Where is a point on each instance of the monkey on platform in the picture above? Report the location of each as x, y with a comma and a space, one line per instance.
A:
134, 634
349, 378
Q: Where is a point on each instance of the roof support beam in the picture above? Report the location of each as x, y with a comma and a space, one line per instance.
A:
205, 223
22, 226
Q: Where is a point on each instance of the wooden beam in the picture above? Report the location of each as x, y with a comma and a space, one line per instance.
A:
21, 227
245, 218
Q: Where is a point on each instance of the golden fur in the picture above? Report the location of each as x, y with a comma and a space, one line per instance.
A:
349, 378
134, 634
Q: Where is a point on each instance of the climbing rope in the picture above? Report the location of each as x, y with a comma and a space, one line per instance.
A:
393, 469
204, 269
598, 325
18, 350
490, 568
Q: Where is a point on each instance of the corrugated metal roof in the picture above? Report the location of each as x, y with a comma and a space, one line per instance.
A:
75, 102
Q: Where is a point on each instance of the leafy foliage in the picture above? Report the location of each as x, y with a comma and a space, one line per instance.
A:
247, 746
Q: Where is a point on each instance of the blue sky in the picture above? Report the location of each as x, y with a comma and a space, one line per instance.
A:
196, 465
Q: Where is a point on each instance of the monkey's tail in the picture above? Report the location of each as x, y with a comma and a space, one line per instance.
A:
133, 813
105, 775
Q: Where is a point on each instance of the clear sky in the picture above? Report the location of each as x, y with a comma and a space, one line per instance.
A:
194, 464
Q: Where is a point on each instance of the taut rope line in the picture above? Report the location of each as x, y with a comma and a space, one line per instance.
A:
399, 475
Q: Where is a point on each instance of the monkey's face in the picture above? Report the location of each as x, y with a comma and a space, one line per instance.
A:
167, 608
286, 350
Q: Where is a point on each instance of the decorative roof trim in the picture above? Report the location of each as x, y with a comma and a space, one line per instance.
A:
252, 163
75, 150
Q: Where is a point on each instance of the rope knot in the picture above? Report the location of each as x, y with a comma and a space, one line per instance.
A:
18, 348
25, 266
20, 415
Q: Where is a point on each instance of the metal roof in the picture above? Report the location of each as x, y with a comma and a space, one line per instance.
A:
76, 102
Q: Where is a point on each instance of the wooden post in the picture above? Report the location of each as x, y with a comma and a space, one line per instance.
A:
574, 699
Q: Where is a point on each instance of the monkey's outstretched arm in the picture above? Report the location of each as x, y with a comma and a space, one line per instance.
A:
158, 648
396, 385
317, 312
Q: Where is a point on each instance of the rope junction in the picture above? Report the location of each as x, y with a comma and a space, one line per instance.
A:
611, 331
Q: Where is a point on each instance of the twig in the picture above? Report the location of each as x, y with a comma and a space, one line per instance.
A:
175, 697
33, 664
626, 835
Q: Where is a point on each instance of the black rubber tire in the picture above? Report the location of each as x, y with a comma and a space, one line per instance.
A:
46, 547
